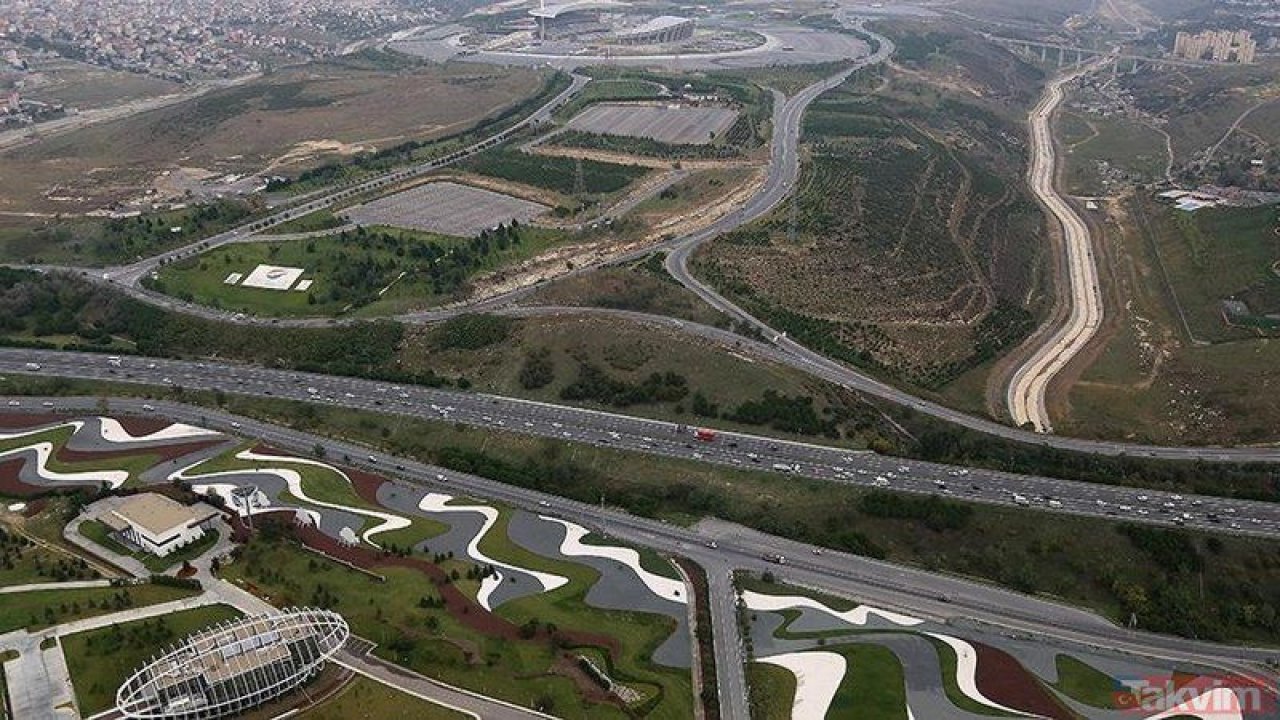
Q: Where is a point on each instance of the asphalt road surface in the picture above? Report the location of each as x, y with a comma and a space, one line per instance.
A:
738, 450
1030, 382
782, 172
908, 590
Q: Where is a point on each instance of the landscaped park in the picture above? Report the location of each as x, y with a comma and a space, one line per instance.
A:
511, 604
819, 656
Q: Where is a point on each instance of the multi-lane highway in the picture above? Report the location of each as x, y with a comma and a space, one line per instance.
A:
783, 170
656, 437
916, 592
1029, 383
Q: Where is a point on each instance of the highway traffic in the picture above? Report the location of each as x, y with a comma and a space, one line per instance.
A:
721, 548
656, 437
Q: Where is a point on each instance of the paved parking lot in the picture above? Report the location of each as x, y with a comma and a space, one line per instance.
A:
675, 125
446, 208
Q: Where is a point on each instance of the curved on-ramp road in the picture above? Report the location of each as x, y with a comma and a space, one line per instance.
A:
1029, 383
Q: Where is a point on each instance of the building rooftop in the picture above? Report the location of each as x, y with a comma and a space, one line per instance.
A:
157, 514
658, 24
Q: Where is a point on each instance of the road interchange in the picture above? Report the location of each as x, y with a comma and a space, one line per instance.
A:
783, 169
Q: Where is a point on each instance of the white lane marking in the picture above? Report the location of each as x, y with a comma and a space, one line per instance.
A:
818, 676
856, 616
572, 546
439, 503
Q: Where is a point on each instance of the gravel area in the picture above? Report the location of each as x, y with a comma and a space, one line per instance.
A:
446, 208
674, 125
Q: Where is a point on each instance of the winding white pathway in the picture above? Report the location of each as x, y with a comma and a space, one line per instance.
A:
439, 503
293, 479
572, 546
44, 451
967, 671
818, 676
114, 432
857, 616
260, 501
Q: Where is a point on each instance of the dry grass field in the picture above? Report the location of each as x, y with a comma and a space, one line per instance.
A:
85, 86
909, 250
283, 122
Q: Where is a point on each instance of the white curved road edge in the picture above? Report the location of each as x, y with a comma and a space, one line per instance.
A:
439, 503
1027, 387
818, 677
572, 546
293, 479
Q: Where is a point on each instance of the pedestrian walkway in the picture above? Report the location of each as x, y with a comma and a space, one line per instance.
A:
68, 585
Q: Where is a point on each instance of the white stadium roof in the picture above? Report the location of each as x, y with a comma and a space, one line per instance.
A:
554, 10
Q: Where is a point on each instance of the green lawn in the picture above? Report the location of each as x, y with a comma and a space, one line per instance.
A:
1083, 683
41, 608
1214, 254
327, 485
322, 219
351, 271
23, 562
873, 687
428, 640
947, 660
365, 699
134, 464
100, 660
772, 690
1128, 146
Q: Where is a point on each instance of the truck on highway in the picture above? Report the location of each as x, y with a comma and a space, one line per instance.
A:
32, 366
704, 434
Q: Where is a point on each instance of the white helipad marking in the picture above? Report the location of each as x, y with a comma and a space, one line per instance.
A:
44, 450
294, 480
572, 546
967, 671
1217, 704
856, 616
438, 503
272, 277
114, 432
818, 675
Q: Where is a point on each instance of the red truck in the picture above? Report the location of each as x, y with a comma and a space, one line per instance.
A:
704, 434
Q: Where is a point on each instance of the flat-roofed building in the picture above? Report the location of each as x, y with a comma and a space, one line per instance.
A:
158, 524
